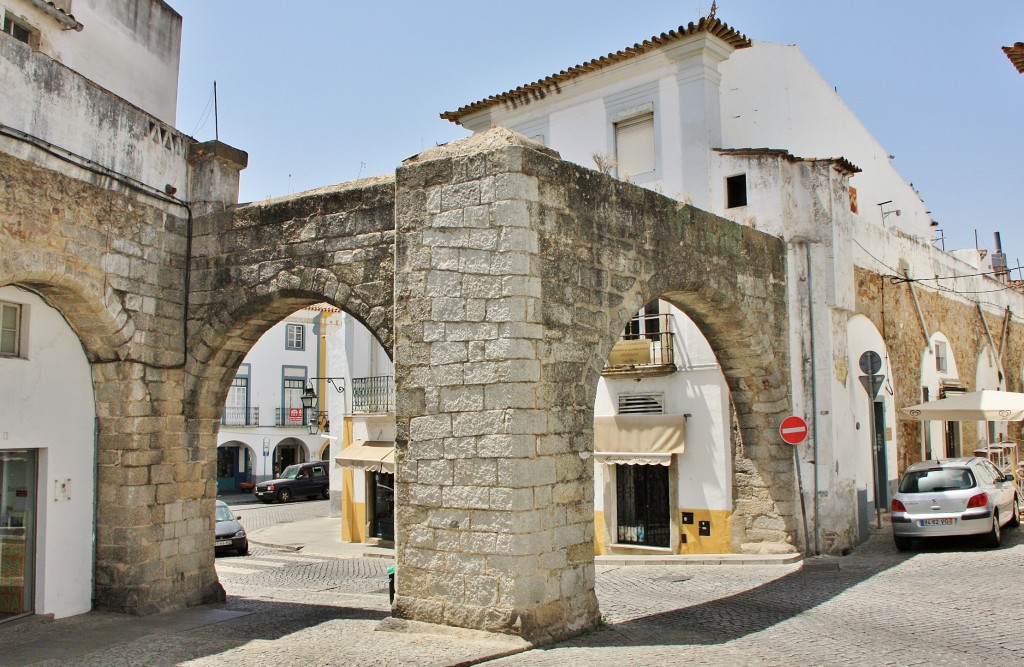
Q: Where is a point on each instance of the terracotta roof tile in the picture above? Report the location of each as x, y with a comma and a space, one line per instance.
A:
540, 89
1016, 55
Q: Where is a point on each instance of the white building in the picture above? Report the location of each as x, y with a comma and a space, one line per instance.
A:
265, 427
750, 131
66, 69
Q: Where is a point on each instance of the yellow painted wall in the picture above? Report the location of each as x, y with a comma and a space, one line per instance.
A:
716, 543
599, 546
353, 514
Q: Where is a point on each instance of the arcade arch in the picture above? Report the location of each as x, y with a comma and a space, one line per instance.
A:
874, 455
940, 377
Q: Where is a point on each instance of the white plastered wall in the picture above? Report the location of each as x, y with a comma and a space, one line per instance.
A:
932, 377
54, 379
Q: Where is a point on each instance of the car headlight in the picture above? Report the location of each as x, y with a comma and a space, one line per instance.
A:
240, 533
270, 487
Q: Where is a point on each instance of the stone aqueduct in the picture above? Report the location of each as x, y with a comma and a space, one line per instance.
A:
498, 275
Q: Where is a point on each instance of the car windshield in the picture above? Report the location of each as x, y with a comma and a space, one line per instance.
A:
291, 472
224, 513
937, 479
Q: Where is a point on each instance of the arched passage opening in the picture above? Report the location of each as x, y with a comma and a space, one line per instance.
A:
662, 441
49, 465
510, 294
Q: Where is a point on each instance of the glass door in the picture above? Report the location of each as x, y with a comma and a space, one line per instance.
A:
17, 532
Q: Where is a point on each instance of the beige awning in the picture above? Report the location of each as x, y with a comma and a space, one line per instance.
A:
369, 455
638, 439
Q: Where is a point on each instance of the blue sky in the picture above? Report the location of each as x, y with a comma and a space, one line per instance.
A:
323, 91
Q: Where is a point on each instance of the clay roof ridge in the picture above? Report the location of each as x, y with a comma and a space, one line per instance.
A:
840, 162
1016, 55
539, 89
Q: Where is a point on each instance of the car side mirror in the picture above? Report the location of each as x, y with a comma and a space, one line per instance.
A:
1008, 477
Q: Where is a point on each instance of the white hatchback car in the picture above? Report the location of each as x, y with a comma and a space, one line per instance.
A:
965, 496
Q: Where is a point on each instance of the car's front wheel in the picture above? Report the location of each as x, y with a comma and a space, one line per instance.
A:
1015, 518
284, 495
902, 543
994, 537
325, 492
244, 551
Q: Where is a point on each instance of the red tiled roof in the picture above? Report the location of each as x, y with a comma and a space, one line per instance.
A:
840, 163
1016, 55
540, 89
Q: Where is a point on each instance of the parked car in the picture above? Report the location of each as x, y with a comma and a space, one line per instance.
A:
962, 496
228, 532
302, 479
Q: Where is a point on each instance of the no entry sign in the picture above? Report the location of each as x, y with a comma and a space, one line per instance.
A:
793, 430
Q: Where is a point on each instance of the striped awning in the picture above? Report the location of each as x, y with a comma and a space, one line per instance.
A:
638, 439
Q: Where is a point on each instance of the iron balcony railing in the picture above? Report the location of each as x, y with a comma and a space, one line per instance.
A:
650, 350
373, 394
293, 416
240, 417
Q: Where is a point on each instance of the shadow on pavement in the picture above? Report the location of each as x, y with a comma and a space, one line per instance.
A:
104, 638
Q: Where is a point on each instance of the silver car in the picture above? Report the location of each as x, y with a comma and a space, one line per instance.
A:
966, 496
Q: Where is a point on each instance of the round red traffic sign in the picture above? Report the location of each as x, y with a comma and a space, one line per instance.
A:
793, 430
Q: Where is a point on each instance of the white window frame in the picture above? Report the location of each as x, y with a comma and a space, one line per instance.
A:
941, 359
12, 335
635, 135
295, 336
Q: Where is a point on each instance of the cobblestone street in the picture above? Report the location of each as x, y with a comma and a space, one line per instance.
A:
877, 606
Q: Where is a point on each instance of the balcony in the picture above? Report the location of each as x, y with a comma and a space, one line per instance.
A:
240, 417
292, 416
373, 394
643, 354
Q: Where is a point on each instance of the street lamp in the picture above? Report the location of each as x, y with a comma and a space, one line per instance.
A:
318, 418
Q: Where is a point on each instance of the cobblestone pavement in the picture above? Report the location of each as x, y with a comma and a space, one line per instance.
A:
950, 603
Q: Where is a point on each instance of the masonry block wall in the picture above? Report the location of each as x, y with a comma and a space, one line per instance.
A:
515, 274
113, 263
892, 310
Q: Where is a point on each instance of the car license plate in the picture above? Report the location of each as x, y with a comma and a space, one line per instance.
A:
936, 522
222, 543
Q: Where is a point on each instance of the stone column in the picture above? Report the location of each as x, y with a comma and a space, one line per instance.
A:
494, 526
154, 514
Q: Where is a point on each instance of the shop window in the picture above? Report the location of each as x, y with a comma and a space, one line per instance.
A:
642, 502
736, 191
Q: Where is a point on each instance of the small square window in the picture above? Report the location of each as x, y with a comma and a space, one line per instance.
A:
295, 337
18, 30
10, 329
736, 191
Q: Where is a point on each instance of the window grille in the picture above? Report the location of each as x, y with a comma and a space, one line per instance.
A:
642, 404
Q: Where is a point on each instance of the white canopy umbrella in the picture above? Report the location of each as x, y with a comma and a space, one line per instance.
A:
984, 405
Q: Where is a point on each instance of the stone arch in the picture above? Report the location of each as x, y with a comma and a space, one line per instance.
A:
554, 260
101, 322
862, 336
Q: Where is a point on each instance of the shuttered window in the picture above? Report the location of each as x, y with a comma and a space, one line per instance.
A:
634, 145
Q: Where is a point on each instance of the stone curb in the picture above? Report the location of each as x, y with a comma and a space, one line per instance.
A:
702, 559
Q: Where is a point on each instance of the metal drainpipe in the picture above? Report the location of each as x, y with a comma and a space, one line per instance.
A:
814, 393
